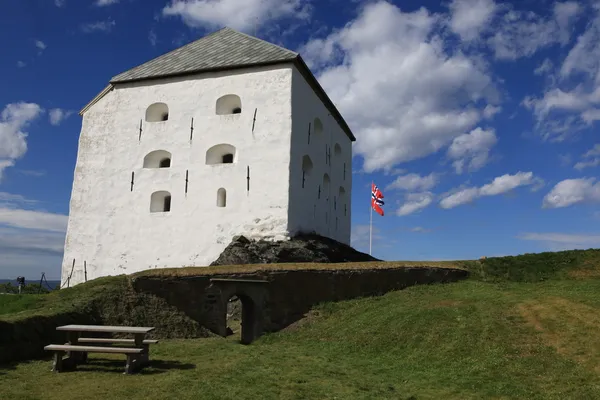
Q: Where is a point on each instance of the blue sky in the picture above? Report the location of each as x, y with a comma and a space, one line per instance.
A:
476, 118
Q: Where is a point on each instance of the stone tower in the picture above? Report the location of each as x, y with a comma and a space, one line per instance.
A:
227, 135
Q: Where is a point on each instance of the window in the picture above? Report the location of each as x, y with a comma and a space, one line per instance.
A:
221, 154
160, 202
221, 197
337, 151
307, 167
229, 104
157, 159
318, 127
157, 112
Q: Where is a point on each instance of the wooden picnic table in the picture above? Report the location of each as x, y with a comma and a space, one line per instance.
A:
137, 354
74, 331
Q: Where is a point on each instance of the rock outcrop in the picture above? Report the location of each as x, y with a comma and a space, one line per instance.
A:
307, 248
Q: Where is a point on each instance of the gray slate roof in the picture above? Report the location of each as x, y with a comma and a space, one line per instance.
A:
223, 49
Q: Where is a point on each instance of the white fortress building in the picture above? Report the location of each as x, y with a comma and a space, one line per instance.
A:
228, 135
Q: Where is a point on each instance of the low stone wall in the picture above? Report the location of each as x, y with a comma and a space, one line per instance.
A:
289, 294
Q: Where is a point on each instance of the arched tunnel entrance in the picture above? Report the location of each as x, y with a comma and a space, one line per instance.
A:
241, 307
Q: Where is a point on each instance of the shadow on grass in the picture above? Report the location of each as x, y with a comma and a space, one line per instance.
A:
152, 368
11, 366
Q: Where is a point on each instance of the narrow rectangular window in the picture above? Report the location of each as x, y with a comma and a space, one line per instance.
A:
344, 171
309, 133
345, 210
334, 203
303, 177
319, 193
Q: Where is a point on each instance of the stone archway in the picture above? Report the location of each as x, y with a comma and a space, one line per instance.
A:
253, 295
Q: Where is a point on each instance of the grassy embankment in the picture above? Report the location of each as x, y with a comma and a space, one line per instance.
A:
522, 327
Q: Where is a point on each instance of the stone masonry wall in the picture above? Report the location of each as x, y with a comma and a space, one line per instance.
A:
290, 293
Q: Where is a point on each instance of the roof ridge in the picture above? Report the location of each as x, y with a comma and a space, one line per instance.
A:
173, 50
221, 49
261, 40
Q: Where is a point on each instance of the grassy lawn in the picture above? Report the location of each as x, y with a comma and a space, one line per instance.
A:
467, 340
14, 303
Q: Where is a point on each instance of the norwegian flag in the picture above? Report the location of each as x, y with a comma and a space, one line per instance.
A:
376, 201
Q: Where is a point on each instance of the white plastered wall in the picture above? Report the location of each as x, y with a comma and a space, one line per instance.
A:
111, 227
326, 214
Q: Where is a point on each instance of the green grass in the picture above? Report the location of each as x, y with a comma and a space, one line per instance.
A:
524, 327
12, 304
468, 340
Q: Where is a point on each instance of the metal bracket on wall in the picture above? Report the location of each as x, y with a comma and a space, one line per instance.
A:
192, 130
186, 181
140, 135
248, 179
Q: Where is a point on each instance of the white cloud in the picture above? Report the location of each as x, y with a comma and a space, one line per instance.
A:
30, 219
40, 45
419, 229
14, 119
31, 241
98, 26
58, 115
232, 13
590, 159
470, 151
102, 3
414, 182
489, 111
573, 191
499, 185
522, 33
470, 17
152, 38
402, 93
414, 202
563, 241
59, 3
21, 64
544, 68
565, 108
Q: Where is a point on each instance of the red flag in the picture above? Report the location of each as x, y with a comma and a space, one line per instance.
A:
376, 199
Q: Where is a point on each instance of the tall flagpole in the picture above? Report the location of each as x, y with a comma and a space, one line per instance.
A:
371, 219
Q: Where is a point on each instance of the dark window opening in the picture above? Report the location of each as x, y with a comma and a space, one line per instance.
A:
227, 158
165, 117
236, 110
167, 204
165, 163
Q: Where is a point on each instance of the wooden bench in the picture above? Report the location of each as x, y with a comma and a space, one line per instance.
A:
135, 356
112, 340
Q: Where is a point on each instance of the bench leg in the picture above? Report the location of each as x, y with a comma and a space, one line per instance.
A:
130, 365
145, 356
57, 364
